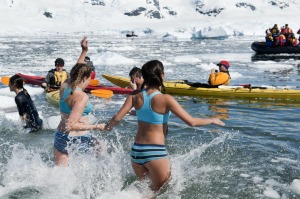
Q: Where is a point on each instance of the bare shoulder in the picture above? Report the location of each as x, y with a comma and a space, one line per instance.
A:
168, 97
79, 95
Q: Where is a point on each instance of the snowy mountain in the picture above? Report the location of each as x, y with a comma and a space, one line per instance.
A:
189, 18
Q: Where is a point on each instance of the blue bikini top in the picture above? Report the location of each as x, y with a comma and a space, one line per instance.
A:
146, 114
64, 106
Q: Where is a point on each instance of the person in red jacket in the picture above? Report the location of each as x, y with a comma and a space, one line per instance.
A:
280, 41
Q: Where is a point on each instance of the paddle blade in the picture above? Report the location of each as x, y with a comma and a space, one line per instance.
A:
5, 80
94, 82
102, 93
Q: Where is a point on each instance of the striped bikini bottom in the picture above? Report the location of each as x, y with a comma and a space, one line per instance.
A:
143, 153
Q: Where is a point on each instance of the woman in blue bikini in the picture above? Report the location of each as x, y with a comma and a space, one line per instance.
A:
148, 153
73, 131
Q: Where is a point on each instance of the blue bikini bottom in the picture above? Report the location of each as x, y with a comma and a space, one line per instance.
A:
64, 143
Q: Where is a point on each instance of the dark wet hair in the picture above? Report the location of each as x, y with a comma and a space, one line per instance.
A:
152, 72
135, 71
78, 73
59, 62
18, 82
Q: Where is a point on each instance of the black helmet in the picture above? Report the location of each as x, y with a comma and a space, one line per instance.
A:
59, 62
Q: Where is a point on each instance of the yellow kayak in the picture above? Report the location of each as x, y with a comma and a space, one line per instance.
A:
180, 88
53, 97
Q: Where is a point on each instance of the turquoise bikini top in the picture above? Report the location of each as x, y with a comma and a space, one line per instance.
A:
64, 106
146, 114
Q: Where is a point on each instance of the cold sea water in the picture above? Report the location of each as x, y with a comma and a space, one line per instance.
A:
256, 155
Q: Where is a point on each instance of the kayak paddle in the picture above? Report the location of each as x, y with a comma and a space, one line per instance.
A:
5, 80
94, 82
102, 93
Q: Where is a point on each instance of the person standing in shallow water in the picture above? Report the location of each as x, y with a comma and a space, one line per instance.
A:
25, 105
73, 131
148, 153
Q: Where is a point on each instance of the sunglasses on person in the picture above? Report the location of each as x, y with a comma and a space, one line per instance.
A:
59, 66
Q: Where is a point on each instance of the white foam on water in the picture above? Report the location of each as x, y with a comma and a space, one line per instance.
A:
101, 175
31, 90
7, 102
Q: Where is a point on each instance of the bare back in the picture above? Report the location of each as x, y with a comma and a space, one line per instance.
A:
148, 133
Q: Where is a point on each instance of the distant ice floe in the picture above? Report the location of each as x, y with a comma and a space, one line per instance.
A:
169, 37
111, 58
215, 32
270, 65
271, 193
206, 67
235, 75
187, 59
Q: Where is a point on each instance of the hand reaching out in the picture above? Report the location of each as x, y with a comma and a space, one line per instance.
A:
217, 121
84, 44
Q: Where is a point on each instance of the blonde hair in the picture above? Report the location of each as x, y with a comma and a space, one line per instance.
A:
78, 73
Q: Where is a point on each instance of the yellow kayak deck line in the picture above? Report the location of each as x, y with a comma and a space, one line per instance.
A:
182, 89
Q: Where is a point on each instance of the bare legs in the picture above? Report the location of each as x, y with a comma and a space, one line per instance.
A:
61, 159
158, 171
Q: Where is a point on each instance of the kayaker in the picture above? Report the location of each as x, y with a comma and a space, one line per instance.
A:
73, 132
90, 64
25, 105
222, 77
136, 78
56, 76
148, 153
